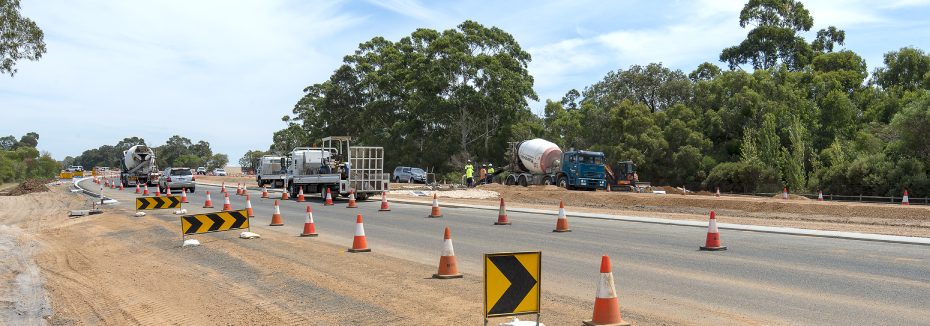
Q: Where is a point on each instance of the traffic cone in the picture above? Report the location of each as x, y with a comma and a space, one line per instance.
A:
502, 215
447, 268
562, 224
608, 187
238, 188
820, 196
637, 189
226, 206
713, 235
358, 243
120, 184
718, 191
106, 182
784, 194
183, 195
248, 206
606, 305
169, 191
300, 195
351, 199
209, 203
276, 217
905, 202
684, 191
284, 194
309, 229
264, 191
329, 199
224, 187
137, 188
245, 190
435, 212
113, 185
157, 190
384, 203
146, 193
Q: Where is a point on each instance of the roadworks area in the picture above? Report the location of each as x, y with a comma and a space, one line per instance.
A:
118, 269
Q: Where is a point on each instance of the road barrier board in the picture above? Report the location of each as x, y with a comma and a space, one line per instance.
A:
512, 283
157, 202
213, 222
65, 175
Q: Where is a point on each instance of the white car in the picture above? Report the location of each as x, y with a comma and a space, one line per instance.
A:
219, 172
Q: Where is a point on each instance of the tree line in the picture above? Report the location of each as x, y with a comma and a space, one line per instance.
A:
20, 160
176, 152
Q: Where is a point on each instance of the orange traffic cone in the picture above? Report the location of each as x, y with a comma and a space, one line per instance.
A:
183, 195
905, 201
224, 187
146, 193
329, 199
820, 196
637, 189
309, 229
284, 194
562, 224
209, 203
502, 215
276, 217
718, 191
169, 191
358, 243
606, 305
384, 203
447, 268
245, 190
264, 191
784, 194
351, 199
157, 191
300, 195
226, 206
137, 188
106, 182
113, 185
435, 212
248, 206
608, 187
238, 188
713, 235
120, 184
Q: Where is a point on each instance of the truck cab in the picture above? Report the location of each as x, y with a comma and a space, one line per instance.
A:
583, 170
272, 169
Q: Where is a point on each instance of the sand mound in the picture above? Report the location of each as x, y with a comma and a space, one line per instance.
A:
28, 187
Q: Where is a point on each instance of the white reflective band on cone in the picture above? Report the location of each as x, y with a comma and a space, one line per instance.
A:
309, 217
712, 226
447, 248
359, 230
605, 286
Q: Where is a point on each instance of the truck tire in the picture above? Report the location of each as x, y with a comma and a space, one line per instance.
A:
563, 183
323, 193
523, 181
193, 189
259, 180
547, 180
510, 180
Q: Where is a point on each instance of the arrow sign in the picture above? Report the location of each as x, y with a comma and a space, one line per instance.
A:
213, 222
512, 283
157, 202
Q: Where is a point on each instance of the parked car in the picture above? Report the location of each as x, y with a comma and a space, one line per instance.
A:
219, 172
409, 174
177, 178
202, 171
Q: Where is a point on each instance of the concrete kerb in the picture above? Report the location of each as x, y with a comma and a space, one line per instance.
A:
106, 200
740, 227
270, 190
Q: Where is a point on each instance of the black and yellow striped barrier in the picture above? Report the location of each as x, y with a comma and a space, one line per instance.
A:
213, 222
157, 202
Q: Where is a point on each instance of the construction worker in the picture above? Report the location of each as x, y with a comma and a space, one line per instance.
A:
489, 176
469, 171
482, 173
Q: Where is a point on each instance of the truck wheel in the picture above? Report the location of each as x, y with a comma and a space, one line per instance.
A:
323, 193
523, 181
259, 180
563, 183
547, 180
510, 181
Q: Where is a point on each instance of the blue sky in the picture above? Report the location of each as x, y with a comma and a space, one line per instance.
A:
227, 71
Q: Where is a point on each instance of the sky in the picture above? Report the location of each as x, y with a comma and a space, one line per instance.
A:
226, 72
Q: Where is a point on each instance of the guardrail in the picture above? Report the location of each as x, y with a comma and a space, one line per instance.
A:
850, 198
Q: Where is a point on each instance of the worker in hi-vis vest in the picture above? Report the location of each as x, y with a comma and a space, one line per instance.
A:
489, 176
469, 172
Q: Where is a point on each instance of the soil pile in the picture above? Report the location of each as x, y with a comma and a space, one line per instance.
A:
28, 187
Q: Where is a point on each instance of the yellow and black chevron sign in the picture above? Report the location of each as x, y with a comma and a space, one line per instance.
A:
212, 222
157, 202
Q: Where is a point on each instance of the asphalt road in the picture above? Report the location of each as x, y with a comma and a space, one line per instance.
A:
762, 279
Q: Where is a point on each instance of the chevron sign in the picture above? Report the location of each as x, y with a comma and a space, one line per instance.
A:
157, 202
212, 222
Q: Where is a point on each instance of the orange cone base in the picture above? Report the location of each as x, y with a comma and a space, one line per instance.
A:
713, 248
208, 206
448, 276
588, 322
434, 215
359, 250
276, 220
384, 210
566, 230
249, 210
502, 223
311, 235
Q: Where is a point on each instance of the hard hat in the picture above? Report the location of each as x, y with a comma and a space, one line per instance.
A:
489, 164
469, 161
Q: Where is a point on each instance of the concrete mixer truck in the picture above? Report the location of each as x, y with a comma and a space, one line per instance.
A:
138, 165
541, 162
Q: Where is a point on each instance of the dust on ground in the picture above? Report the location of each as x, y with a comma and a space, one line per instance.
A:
796, 212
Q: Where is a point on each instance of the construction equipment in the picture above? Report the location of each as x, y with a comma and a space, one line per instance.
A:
541, 162
625, 176
337, 166
139, 166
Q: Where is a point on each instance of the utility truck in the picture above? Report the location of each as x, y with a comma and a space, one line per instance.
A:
541, 162
139, 166
272, 169
337, 166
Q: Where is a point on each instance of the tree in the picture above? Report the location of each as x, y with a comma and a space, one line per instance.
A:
201, 150
251, 160
20, 37
775, 36
172, 149
706, 71
569, 100
28, 140
8, 143
905, 69
655, 86
826, 37
217, 161
188, 161
912, 125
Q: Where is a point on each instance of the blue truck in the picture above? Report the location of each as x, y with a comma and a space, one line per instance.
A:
541, 162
